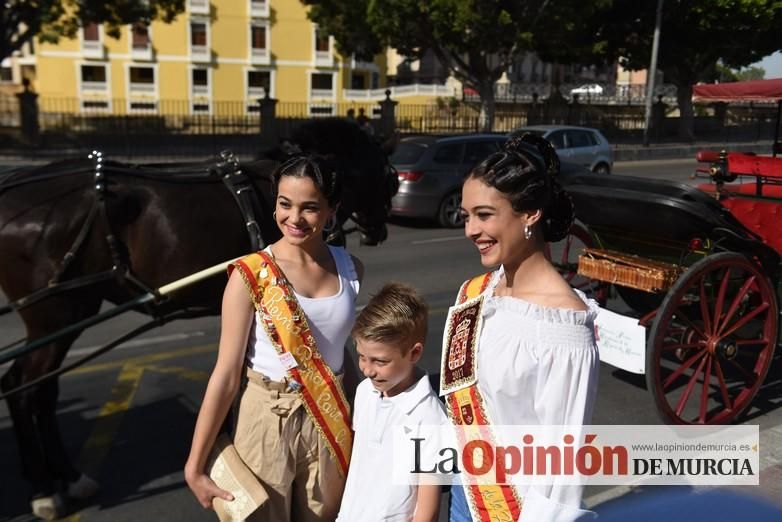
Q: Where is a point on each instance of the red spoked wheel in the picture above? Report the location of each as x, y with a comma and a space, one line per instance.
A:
712, 341
564, 256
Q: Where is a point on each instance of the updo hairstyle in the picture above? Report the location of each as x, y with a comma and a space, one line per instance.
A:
524, 173
320, 169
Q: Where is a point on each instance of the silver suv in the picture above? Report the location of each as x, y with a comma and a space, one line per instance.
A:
580, 145
431, 172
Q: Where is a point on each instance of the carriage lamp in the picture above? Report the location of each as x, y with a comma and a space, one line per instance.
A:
696, 244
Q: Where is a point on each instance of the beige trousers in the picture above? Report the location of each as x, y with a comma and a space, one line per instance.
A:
278, 441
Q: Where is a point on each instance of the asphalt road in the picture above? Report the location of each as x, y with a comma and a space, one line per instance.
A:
127, 417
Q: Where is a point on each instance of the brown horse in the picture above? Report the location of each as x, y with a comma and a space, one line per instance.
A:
164, 227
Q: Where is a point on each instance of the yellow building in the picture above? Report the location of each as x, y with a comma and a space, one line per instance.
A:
218, 57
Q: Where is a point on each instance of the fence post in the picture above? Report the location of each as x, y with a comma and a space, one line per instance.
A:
28, 113
269, 134
388, 115
658, 117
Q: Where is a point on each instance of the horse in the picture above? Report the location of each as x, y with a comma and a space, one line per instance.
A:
77, 218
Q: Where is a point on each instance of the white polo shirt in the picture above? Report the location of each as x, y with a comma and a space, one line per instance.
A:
370, 494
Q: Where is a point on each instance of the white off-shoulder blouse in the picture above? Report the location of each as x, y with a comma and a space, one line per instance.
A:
539, 366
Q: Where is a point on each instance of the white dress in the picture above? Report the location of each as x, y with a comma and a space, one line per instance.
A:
538, 366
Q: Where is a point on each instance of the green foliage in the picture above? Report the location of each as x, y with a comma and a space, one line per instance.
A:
476, 40
50, 20
695, 35
726, 74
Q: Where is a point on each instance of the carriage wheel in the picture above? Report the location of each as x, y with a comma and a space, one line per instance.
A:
564, 256
712, 341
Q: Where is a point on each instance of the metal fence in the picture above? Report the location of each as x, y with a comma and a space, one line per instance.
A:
118, 118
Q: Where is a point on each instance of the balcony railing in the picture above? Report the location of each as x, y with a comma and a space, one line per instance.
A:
260, 56
199, 53
94, 86
259, 8
93, 49
142, 88
399, 91
141, 52
198, 6
324, 58
200, 90
254, 93
322, 94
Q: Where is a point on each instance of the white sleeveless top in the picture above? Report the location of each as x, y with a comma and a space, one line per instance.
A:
330, 319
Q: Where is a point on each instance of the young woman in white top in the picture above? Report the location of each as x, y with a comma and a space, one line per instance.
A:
272, 432
537, 361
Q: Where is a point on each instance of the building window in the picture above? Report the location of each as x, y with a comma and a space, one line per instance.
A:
258, 84
199, 40
375, 80
91, 44
322, 48
321, 85
358, 81
6, 74
142, 79
200, 82
93, 78
91, 32
259, 43
140, 36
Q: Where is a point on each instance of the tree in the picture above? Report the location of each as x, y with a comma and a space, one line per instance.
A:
49, 20
695, 36
726, 74
476, 40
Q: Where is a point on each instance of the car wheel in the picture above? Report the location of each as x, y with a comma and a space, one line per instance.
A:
449, 214
601, 168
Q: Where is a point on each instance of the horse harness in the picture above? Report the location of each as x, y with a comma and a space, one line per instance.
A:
235, 180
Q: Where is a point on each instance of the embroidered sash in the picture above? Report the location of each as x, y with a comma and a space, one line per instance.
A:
459, 382
286, 325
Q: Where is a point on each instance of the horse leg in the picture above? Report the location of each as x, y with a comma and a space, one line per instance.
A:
45, 462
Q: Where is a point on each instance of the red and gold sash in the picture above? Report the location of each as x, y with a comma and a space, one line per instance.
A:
459, 382
286, 325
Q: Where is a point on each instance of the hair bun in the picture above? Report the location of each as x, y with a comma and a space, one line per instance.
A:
559, 215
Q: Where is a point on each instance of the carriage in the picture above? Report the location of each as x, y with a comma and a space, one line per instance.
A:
698, 271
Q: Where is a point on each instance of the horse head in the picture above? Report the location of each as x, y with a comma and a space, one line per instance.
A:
369, 179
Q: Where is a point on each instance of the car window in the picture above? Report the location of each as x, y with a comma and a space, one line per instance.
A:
407, 153
477, 151
578, 138
557, 139
449, 154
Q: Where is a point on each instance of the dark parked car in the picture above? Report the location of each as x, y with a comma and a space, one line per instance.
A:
431, 173
580, 145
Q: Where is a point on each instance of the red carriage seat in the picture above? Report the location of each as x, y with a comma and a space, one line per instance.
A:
761, 216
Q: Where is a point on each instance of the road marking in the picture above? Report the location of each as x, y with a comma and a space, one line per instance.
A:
436, 240
185, 373
139, 342
143, 359
109, 420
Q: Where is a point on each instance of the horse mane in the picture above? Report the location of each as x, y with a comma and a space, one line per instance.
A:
333, 136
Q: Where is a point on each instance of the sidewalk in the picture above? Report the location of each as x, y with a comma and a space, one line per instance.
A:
660, 151
622, 152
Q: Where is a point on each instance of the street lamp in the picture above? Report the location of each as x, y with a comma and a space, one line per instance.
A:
652, 72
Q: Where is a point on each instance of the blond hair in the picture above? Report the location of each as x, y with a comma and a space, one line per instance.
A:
396, 314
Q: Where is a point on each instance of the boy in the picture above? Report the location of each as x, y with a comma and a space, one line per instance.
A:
390, 333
